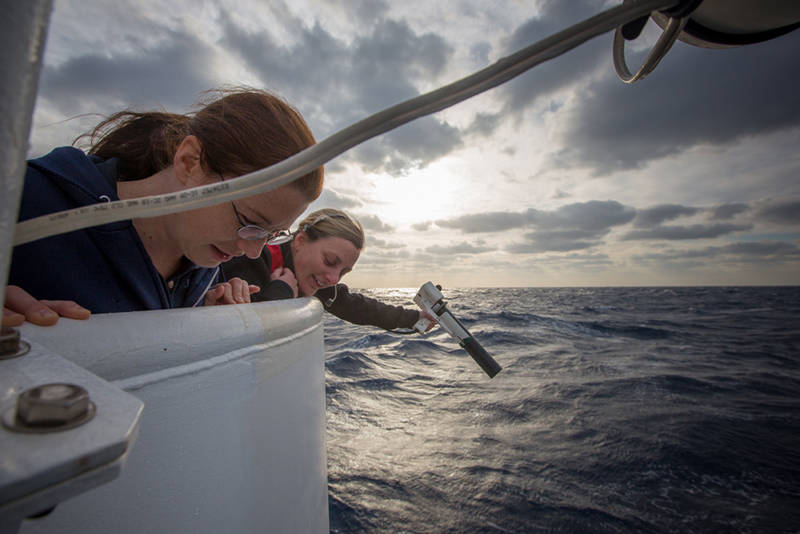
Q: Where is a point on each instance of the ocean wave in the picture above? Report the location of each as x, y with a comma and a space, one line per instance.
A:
618, 410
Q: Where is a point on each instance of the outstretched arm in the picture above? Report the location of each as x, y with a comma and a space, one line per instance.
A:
359, 309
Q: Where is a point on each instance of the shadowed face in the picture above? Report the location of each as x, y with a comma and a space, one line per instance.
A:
208, 236
321, 263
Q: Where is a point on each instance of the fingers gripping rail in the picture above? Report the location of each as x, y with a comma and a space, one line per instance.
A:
429, 298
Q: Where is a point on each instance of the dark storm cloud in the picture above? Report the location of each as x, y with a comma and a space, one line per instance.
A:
338, 83
694, 231
576, 226
783, 212
557, 241
696, 96
545, 80
548, 78
728, 211
755, 251
170, 75
648, 217
592, 216
411, 146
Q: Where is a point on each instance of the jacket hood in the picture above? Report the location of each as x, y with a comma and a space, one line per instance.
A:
97, 181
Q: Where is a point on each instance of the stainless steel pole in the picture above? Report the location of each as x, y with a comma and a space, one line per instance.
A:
23, 29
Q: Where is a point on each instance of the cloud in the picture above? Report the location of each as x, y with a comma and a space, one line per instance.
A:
757, 251
333, 199
694, 231
339, 83
458, 248
485, 123
568, 70
648, 217
486, 222
783, 212
367, 11
576, 226
381, 257
557, 241
380, 243
728, 211
373, 223
169, 74
409, 147
731, 116
575, 258
594, 215
695, 97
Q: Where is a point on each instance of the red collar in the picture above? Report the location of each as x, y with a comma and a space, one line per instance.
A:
277, 256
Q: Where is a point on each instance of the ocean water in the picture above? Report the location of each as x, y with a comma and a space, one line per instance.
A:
617, 410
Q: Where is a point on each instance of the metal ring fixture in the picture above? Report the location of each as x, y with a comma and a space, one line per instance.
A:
659, 50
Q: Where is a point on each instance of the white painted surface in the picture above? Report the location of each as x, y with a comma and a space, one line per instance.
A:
232, 439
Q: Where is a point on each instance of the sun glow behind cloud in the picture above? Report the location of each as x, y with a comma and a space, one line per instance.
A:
421, 196
706, 130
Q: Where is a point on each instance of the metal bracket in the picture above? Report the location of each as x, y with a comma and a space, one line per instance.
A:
40, 470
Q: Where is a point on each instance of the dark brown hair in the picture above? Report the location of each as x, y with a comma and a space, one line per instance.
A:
240, 131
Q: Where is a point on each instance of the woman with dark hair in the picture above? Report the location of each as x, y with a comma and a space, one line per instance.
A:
169, 260
311, 262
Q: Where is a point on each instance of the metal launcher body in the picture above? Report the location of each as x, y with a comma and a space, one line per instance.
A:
430, 299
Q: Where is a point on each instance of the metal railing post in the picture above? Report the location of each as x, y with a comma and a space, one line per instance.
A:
23, 30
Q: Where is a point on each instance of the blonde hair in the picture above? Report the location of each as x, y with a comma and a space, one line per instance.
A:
330, 222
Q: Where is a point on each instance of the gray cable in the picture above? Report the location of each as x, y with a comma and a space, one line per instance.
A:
313, 157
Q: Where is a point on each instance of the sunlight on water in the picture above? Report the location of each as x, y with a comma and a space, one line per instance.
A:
618, 410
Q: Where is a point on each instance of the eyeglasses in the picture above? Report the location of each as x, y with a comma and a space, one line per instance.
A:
280, 237
253, 232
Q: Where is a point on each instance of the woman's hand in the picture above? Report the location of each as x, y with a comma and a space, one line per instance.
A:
21, 306
429, 317
286, 276
234, 291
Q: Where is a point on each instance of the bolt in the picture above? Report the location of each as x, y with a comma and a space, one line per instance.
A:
9, 341
51, 405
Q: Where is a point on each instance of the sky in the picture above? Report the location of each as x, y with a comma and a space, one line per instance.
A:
565, 176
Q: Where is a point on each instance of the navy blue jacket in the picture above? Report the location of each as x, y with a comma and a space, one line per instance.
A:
103, 268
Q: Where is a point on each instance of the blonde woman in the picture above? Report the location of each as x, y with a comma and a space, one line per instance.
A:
311, 262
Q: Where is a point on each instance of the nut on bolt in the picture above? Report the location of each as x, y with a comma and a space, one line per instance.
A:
11, 345
51, 407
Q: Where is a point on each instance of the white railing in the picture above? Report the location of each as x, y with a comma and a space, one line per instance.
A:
232, 437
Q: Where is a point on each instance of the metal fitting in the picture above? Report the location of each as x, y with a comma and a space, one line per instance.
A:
10, 344
50, 408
